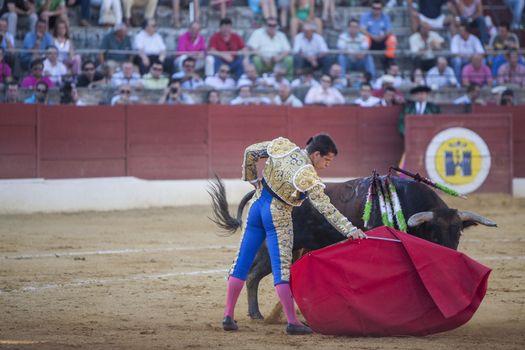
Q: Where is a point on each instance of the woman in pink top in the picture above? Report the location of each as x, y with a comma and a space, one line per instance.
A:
471, 11
193, 44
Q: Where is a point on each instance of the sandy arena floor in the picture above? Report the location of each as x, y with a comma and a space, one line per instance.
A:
154, 279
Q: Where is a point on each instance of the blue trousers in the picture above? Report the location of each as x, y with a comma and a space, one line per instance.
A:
271, 219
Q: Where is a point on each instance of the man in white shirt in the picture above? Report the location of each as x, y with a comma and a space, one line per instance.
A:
286, 98
366, 99
53, 68
269, 47
189, 78
126, 76
310, 50
222, 79
463, 45
441, 75
250, 77
245, 97
356, 45
277, 78
324, 94
423, 44
305, 79
150, 45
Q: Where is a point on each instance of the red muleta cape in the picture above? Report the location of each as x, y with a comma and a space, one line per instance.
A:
385, 288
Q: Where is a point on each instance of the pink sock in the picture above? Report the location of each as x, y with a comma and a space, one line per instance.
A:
232, 294
285, 295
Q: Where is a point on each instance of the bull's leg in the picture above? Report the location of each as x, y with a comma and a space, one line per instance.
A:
261, 267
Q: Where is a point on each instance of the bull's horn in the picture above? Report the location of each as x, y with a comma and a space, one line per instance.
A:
420, 218
470, 216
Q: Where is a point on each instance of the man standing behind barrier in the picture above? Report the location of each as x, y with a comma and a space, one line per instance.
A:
289, 177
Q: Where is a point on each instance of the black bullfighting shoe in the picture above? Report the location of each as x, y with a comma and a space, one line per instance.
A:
228, 324
294, 329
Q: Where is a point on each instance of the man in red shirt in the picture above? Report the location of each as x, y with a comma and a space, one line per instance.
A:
224, 46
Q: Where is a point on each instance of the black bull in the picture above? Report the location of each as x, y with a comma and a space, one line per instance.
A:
428, 217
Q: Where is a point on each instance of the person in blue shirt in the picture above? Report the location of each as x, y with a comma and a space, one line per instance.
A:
37, 41
39, 96
378, 27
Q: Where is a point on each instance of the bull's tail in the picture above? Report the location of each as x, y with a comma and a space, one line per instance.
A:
221, 214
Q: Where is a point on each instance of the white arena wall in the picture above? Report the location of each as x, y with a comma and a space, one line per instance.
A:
24, 196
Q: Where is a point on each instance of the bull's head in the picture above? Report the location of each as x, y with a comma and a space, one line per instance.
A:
444, 226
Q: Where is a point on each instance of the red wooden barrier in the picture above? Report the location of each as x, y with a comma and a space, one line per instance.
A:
18, 141
518, 133
494, 130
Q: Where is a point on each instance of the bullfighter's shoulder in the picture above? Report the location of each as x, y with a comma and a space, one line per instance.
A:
306, 178
281, 147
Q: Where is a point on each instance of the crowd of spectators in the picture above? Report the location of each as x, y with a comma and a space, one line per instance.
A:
452, 45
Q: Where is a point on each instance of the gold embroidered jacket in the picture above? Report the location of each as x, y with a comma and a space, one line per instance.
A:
290, 175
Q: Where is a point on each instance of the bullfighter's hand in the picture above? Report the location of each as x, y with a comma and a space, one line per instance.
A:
357, 234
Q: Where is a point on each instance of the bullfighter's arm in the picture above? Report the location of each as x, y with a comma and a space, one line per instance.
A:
322, 203
252, 154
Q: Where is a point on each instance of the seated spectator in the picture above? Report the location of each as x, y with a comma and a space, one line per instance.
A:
471, 97
507, 98
245, 97
37, 42
36, 76
423, 45
366, 98
441, 75
117, 39
417, 78
126, 76
471, 12
149, 5
221, 80
189, 79
250, 77
310, 50
69, 95
175, 4
7, 41
389, 97
324, 94
12, 9
462, 47
226, 47
150, 46
213, 97
277, 78
430, 12
124, 96
51, 11
476, 72
419, 105
5, 70
173, 95
40, 94
66, 49
504, 40
90, 76
192, 41
339, 81
395, 73
378, 27
387, 83
356, 45
269, 47
512, 72
155, 79
12, 93
306, 79
286, 98
516, 8
302, 11
110, 13
53, 68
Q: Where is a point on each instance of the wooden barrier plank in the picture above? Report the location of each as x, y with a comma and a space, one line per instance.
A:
233, 128
167, 142
70, 132
56, 169
18, 148
495, 130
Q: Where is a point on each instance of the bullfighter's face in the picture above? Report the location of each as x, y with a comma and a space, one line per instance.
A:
321, 162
